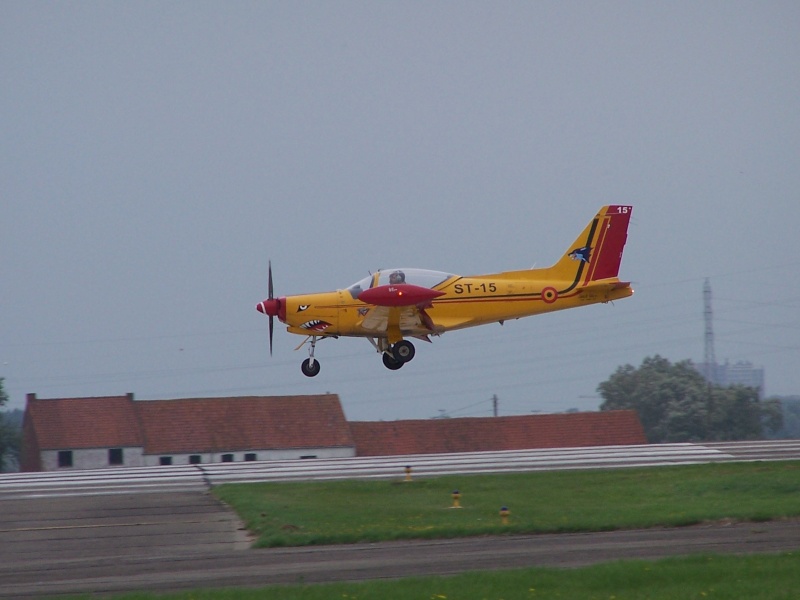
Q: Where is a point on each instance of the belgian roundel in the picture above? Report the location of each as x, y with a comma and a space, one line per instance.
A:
549, 295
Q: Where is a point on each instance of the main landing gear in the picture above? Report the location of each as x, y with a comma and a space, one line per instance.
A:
398, 354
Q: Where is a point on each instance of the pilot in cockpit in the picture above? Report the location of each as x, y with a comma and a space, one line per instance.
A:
397, 277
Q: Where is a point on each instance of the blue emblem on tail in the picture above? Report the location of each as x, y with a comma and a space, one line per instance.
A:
581, 254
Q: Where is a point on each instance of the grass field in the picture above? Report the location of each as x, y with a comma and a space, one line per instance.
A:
281, 514
699, 577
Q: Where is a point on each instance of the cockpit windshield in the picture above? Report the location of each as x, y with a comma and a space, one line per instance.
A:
420, 277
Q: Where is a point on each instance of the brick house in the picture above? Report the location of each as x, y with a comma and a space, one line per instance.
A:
90, 433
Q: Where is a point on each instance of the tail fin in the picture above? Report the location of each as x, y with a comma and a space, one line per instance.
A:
597, 252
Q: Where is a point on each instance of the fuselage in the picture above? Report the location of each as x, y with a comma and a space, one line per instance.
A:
464, 302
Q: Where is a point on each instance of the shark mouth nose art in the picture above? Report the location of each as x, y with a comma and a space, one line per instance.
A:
315, 325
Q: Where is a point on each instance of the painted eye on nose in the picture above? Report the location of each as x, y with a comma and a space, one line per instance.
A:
302, 307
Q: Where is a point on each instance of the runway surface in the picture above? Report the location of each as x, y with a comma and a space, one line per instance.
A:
81, 537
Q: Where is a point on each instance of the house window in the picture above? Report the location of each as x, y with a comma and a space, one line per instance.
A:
195, 459
250, 456
165, 460
65, 458
115, 456
227, 458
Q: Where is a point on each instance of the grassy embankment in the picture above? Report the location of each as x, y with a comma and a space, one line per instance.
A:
281, 514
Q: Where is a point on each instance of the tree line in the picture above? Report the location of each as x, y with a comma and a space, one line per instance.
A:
10, 434
676, 403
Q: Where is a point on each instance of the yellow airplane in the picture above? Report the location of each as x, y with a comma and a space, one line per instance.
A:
391, 305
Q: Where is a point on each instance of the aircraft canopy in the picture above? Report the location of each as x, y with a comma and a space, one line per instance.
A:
421, 277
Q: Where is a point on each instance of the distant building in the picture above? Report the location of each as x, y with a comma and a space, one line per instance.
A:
116, 431
739, 373
90, 433
742, 373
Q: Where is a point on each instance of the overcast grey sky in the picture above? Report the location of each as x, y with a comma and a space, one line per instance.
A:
155, 156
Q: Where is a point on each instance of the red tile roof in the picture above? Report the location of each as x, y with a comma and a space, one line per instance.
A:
436, 436
71, 423
187, 425
249, 423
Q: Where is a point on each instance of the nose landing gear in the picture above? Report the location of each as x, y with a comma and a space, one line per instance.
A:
310, 369
310, 366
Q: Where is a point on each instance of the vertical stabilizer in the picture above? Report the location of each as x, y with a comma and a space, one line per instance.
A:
597, 252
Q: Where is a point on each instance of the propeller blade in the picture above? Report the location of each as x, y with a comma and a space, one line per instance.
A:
270, 297
270, 281
271, 325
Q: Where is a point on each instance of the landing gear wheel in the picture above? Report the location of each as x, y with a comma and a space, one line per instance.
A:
309, 369
403, 351
390, 363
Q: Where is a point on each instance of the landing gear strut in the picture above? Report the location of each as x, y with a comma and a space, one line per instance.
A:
310, 366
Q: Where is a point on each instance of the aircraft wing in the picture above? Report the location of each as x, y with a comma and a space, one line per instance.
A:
398, 309
410, 320
379, 318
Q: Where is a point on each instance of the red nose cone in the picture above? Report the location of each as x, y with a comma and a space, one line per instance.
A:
269, 307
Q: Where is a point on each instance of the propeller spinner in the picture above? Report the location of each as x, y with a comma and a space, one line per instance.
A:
270, 307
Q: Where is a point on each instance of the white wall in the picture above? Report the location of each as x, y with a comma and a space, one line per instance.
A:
97, 458
92, 458
238, 456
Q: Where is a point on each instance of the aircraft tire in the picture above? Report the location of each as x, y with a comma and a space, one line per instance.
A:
391, 363
309, 370
403, 351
